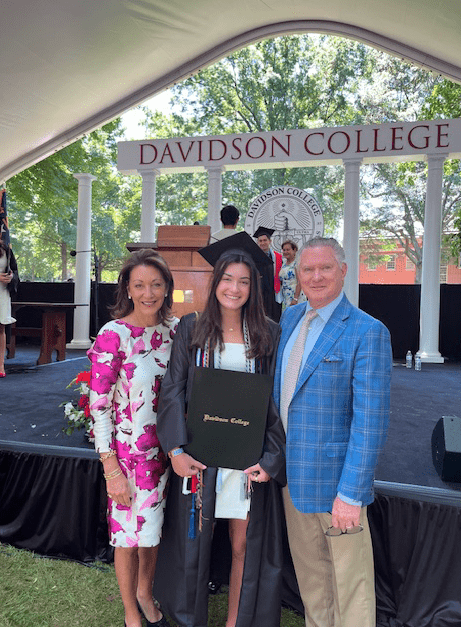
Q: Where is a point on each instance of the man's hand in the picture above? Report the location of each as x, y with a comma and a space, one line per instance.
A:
344, 515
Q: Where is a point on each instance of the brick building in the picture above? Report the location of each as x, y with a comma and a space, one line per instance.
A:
393, 267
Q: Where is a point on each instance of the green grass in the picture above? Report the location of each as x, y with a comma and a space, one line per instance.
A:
41, 592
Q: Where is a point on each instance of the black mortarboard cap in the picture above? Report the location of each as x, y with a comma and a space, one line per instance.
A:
262, 230
239, 242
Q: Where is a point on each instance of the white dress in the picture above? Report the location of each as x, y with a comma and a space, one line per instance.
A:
5, 300
231, 499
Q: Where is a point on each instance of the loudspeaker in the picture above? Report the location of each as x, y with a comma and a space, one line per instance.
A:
446, 448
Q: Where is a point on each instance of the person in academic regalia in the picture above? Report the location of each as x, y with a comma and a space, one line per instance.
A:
234, 334
270, 277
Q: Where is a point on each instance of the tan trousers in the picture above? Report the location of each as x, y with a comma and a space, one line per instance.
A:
335, 574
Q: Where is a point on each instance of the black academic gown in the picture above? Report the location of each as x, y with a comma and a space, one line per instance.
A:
272, 308
183, 566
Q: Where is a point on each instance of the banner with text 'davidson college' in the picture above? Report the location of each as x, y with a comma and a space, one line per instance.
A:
398, 141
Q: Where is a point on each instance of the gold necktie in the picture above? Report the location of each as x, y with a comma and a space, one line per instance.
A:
294, 363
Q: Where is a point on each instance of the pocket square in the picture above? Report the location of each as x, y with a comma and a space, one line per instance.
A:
332, 358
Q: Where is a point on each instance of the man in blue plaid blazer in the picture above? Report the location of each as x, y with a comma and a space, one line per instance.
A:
336, 423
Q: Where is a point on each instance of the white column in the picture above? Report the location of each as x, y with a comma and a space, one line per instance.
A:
214, 197
430, 282
351, 228
82, 295
148, 205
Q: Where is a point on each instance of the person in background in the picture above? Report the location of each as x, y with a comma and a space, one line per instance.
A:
332, 386
289, 284
234, 334
9, 280
129, 359
229, 219
270, 279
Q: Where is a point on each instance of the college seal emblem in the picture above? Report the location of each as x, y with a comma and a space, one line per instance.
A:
292, 212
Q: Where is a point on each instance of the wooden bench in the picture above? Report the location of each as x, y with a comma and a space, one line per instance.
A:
52, 332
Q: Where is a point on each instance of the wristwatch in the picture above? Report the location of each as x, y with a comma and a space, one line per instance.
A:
175, 452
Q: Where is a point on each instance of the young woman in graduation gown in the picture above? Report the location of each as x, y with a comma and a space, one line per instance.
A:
233, 321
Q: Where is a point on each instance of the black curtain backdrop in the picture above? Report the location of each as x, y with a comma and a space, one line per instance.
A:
397, 306
53, 503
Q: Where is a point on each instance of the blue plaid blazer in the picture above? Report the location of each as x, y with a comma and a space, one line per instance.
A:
339, 414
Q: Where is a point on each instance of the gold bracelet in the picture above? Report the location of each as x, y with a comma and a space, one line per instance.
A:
113, 474
104, 456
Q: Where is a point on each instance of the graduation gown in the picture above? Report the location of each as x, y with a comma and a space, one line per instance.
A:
272, 308
183, 565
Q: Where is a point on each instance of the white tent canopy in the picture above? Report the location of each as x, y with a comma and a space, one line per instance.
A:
67, 67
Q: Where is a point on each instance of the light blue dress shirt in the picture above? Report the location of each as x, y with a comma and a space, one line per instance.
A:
315, 329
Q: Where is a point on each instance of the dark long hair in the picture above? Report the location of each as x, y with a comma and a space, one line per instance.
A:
209, 325
3, 248
144, 257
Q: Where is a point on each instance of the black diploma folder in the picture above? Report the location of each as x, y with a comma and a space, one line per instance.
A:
226, 417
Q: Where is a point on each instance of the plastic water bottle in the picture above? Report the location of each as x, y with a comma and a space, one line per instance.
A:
409, 360
417, 362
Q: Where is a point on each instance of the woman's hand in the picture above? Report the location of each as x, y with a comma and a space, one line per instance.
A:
6, 278
118, 490
257, 474
185, 466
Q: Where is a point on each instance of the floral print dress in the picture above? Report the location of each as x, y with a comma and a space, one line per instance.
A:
128, 364
288, 282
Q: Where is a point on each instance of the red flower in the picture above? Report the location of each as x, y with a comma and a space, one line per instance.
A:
83, 401
84, 376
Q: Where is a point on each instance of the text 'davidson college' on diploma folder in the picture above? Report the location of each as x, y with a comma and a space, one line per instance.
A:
226, 417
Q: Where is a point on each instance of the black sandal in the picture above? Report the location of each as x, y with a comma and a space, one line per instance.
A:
159, 623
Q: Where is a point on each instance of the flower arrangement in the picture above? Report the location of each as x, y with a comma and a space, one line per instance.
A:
78, 412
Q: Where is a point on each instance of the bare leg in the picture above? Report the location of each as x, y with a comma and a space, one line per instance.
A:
126, 569
146, 571
237, 535
2, 348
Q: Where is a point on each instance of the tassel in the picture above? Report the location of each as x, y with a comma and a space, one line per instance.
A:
191, 534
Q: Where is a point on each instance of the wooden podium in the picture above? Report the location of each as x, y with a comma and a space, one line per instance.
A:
178, 245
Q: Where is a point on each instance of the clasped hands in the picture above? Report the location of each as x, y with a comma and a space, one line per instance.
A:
185, 466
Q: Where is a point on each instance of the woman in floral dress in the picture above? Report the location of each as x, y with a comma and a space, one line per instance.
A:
128, 361
290, 287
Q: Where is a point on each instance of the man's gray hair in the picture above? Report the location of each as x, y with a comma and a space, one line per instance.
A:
323, 241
